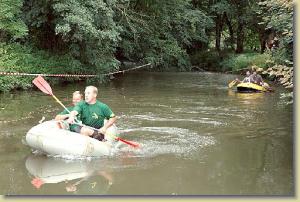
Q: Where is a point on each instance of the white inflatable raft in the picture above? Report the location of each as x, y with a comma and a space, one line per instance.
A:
48, 138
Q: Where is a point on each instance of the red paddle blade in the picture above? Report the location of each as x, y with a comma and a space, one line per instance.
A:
42, 84
134, 144
37, 182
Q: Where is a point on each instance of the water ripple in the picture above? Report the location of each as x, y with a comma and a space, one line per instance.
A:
171, 140
153, 118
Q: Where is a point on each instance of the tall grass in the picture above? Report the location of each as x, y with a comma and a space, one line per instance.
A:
236, 62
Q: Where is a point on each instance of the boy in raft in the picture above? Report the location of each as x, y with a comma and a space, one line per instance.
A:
77, 97
247, 79
92, 113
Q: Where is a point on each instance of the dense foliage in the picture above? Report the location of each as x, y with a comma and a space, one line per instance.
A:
278, 16
161, 31
11, 24
98, 35
21, 58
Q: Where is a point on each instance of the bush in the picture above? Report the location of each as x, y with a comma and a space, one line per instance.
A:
236, 62
208, 60
25, 59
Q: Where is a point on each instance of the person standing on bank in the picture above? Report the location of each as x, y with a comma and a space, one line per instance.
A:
92, 113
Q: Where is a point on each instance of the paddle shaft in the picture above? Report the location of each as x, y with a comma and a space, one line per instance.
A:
59, 102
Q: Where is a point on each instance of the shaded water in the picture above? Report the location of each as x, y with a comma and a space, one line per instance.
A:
197, 137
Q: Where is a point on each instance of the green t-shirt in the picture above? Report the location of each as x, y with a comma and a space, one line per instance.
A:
72, 126
93, 114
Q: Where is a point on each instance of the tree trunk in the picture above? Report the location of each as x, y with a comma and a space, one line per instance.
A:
230, 28
262, 40
219, 26
240, 37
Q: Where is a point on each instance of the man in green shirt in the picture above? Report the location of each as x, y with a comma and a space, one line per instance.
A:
77, 97
93, 113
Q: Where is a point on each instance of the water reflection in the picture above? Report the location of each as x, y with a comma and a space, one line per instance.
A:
246, 96
249, 96
75, 176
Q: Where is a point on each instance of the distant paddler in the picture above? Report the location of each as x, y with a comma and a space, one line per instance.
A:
247, 79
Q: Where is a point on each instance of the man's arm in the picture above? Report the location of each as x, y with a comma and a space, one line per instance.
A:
72, 116
76, 110
61, 117
237, 80
261, 81
109, 123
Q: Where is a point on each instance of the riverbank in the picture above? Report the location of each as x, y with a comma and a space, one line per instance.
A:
16, 58
19, 64
227, 60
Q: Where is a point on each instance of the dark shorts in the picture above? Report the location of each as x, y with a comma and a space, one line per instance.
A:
95, 135
76, 129
98, 136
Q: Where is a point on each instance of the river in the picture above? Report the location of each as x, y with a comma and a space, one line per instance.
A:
197, 136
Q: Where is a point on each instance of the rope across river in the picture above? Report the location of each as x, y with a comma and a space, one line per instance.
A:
30, 115
70, 75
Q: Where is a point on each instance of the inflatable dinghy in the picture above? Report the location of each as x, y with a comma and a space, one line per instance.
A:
250, 88
48, 138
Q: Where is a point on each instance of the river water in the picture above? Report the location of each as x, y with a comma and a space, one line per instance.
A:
197, 137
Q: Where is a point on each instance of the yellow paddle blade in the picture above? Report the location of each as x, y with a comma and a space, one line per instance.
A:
231, 84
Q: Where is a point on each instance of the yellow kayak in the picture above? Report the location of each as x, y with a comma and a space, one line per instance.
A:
250, 87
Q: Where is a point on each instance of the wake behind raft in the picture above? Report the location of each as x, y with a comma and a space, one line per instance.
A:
48, 138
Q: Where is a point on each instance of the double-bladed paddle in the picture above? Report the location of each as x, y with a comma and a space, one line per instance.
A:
232, 83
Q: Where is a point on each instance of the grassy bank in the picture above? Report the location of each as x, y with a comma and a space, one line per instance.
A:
236, 62
228, 61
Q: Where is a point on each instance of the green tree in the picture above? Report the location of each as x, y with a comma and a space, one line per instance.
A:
160, 31
11, 23
278, 16
86, 29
